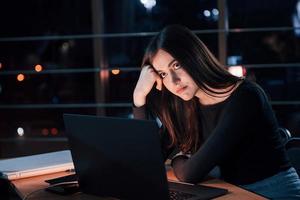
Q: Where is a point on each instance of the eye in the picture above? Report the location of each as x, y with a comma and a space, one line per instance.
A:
162, 74
176, 66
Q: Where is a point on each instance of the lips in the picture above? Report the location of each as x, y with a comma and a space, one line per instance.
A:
180, 90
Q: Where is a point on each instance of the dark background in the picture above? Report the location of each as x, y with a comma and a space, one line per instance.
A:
34, 104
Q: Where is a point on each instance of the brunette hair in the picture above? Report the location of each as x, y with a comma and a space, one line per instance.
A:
180, 117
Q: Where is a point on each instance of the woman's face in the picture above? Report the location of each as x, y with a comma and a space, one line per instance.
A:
173, 76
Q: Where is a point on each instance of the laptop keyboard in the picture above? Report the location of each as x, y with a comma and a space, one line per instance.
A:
177, 195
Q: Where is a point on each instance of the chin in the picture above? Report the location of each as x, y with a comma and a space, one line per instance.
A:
186, 97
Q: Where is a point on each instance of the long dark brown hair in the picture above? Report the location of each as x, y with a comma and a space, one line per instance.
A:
180, 117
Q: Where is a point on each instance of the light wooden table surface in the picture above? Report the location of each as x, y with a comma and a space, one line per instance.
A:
27, 185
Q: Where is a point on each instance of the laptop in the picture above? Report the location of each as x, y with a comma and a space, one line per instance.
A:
120, 157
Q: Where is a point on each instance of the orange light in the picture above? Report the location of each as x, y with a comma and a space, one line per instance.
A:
54, 131
115, 71
20, 77
38, 68
45, 131
0, 65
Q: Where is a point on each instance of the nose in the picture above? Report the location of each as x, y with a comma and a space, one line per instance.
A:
175, 78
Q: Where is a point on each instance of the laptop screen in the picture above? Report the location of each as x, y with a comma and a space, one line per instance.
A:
117, 157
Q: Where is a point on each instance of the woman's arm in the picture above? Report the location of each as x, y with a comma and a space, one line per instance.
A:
240, 113
148, 78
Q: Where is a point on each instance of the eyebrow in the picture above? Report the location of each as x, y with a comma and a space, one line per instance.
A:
169, 65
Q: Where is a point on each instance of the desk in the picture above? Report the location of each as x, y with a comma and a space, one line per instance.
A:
28, 185
235, 192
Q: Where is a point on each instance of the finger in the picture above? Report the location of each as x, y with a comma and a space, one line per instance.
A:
147, 66
159, 84
150, 68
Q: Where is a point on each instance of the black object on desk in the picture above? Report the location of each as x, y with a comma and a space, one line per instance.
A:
68, 185
64, 188
62, 179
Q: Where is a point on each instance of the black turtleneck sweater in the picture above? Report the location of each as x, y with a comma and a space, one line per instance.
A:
240, 136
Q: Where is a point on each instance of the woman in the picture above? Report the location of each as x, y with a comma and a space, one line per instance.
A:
212, 117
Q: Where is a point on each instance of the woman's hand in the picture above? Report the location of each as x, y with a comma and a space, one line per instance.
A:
147, 79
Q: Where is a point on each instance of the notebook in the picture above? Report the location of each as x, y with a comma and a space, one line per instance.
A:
119, 157
34, 165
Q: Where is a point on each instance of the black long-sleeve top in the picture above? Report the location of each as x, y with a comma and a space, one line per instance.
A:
240, 136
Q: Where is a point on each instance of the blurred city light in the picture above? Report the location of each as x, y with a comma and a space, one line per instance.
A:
238, 71
115, 71
20, 131
296, 19
148, 4
20, 77
65, 47
54, 131
38, 68
45, 131
215, 11
234, 60
206, 13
